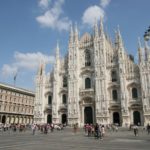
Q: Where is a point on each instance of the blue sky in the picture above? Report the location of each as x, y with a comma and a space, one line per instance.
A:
29, 30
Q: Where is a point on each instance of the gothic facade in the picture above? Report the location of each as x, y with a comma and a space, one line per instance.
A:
97, 81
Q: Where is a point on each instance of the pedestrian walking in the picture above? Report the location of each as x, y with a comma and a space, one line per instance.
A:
33, 129
148, 128
135, 129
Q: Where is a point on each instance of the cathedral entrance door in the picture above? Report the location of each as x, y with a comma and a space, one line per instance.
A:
136, 118
116, 118
64, 119
49, 118
88, 115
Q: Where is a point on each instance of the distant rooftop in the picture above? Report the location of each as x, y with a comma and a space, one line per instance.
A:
8, 86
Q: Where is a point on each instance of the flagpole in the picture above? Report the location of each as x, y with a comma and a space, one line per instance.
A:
14, 82
15, 76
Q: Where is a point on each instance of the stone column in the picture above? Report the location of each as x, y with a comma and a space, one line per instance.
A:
12, 119
7, 119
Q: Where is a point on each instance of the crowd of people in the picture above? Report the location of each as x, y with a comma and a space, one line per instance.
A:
136, 129
42, 128
45, 128
13, 127
98, 130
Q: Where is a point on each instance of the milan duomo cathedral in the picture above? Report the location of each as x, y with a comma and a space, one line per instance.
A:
96, 82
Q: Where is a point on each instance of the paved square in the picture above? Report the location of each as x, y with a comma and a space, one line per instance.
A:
67, 140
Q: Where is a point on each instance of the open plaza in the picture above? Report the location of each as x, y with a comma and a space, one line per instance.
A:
68, 140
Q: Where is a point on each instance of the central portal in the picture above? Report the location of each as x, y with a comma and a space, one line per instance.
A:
116, 118
49, 118
88, 115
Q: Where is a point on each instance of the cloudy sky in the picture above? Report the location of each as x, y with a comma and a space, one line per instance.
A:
30, 29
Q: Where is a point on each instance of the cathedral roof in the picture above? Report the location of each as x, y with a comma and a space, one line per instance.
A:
86, 37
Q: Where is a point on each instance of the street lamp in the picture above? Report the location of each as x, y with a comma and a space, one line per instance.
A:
147, 34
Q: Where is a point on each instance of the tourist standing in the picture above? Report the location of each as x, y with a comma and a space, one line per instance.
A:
75, 127
135, 129
148, 128
96, 131
33, 129
102, 131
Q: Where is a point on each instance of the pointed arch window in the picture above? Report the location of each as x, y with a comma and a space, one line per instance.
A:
87, 83
114, 76
87, 58
134, 93
114, 95
64, 99
49, 100
65, 81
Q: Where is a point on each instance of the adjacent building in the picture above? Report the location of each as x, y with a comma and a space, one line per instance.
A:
97, 81
16, 104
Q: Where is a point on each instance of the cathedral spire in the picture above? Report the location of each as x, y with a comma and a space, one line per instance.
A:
119, 44
57, 51
41, 69
101, 26
57, 58
71, 34
146, 50
116, 39
120, 41
95, 28
76, 34
140, 50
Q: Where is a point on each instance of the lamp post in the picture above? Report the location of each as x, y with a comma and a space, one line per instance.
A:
147, 34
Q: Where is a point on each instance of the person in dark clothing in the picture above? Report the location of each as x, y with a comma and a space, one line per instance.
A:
148, 128
135, 129
97, 131
45, 129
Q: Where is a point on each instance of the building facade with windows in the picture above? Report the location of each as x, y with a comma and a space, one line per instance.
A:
97, 81
16, 105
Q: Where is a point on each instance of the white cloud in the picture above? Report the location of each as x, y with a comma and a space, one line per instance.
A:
47, 20
8, 70
26, 61
44, 3
104, 3
52, 17
92, 13
95, 12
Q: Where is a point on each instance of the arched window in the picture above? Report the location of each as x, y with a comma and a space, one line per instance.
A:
87, 83
134, 93
49, 99
114, 94
64, 99
64, 81
114, 76
87, 58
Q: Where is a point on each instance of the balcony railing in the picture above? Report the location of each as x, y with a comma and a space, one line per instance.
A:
86, 92
87, 69
115, 103
48, 106
63, 89
63, 106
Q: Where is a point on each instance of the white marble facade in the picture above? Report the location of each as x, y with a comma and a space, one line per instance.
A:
97, 81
